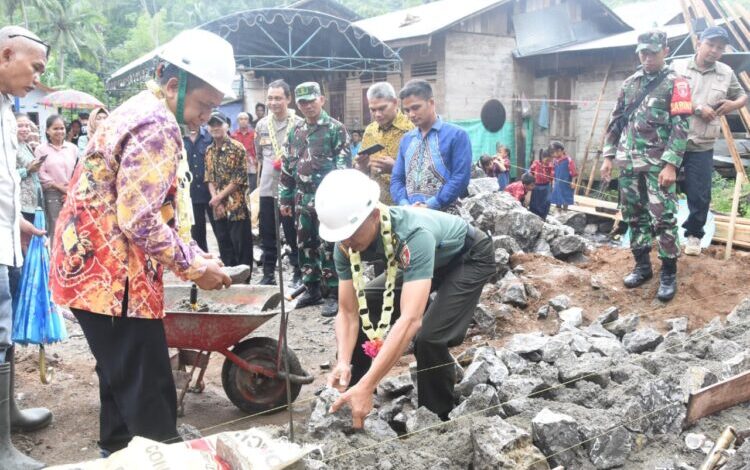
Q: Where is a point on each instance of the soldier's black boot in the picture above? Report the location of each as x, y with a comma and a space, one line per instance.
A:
331, 304
30, 419
10, 457
311, 296
642, 271
667, 280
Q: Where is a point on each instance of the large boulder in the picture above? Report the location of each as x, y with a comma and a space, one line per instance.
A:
566, 246
576, 220
526, 343
556, 434
483, 400
322, 422
646, 339
483, 186
498, 444
420, 419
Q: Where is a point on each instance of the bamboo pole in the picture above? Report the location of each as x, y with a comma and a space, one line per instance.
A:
739, 20
593, 126
740, 39
733, 216
590, 183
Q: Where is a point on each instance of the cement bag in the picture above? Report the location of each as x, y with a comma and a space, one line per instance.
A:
256, 450
145, 454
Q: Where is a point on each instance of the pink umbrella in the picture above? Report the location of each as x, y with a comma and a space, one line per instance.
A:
71, 99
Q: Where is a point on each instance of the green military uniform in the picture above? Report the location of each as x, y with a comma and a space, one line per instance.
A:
655, 135
460, 260
314, 151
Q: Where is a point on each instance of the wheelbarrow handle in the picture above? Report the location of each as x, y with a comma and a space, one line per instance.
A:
295, 378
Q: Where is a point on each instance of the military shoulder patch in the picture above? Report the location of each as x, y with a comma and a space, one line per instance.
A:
405, 257
682, 102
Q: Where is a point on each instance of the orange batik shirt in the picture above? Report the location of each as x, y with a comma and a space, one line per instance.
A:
117, 227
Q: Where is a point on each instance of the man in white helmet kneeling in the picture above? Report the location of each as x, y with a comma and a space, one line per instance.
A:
127, 218
425, 251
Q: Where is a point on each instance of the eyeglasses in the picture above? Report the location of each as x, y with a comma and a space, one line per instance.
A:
38, 41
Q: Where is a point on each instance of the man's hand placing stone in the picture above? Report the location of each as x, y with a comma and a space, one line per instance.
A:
359, 399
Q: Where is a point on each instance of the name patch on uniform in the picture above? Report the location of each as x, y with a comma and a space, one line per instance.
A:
682, 102
405, 257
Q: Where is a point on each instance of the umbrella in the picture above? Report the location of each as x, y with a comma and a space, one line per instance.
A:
36, 320
71, 99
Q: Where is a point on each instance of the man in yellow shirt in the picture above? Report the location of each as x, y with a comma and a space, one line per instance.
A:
388, 127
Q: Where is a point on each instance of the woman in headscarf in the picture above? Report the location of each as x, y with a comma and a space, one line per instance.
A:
59, 162
95, 118
28, 168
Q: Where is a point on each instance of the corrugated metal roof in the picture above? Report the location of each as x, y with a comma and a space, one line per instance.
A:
423, 20
628, 38
650, 14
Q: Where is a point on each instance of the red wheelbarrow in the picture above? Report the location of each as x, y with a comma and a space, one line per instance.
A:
253, 374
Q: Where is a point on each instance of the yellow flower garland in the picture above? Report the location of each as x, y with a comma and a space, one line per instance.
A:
376, 335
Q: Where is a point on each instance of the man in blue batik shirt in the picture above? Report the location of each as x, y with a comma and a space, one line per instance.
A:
434, 160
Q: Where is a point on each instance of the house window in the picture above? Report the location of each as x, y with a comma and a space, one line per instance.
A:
561, 92
336, 105
372, 77
424, 69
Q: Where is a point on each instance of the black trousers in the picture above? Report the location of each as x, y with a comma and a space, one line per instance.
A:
198, 230
235, 241
698, 167
267, 229
252, 182
458, 286
136, 389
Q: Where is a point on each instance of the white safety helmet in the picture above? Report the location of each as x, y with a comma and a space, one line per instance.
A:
343, 201
205, 55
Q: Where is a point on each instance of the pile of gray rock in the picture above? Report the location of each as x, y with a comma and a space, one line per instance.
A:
516, 230
602, 395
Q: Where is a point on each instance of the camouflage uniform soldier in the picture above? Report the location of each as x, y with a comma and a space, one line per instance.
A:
317, 146
647, 141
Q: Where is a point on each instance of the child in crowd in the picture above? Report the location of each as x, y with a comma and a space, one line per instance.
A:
502, 157
520, 189
565, 171
542, 171
489, 165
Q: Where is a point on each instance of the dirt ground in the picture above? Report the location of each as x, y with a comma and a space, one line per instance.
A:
708, 286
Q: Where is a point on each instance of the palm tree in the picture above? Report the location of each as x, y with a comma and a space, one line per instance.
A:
74, 27
41, 7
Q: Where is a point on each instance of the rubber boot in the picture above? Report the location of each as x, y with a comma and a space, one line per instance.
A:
642, 271
31, 419
311, 296
667, 280
10, 457
331, 304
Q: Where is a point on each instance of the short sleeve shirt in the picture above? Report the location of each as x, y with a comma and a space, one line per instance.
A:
425, 240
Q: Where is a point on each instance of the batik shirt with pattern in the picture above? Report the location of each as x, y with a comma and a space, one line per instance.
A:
117, 228
225, 165
390, 138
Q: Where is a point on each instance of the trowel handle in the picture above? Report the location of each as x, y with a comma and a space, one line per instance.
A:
296, 292
194, 297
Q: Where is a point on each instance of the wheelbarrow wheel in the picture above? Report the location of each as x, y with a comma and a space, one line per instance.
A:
256, 393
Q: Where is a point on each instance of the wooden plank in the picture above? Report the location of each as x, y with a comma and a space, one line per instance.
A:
738, 19
725, 218
593, 202
593, 127
593, 211
717, 397
738, 243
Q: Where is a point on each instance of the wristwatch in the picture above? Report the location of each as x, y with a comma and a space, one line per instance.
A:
697, 110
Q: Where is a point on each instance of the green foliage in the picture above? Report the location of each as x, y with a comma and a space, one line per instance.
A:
87, 82
722, 191
147, 33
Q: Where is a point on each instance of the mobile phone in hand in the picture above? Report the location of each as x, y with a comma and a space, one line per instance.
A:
371, 150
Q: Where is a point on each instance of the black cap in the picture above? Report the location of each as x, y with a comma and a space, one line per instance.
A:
217, 117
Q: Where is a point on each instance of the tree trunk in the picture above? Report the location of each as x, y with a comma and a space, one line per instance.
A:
61, 71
